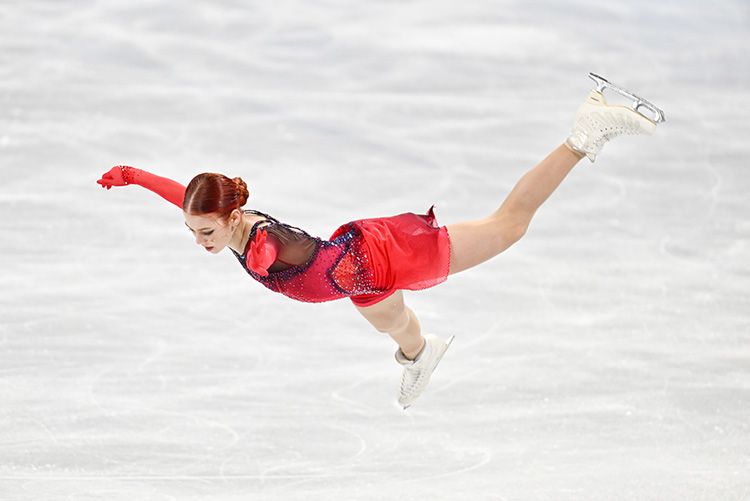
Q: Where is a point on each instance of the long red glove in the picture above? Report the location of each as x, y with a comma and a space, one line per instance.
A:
123, 175
263, 250
262, 254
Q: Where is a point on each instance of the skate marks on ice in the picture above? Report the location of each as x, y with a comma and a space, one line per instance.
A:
604, 358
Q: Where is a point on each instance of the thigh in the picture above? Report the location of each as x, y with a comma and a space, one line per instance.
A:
474, 242
385, 313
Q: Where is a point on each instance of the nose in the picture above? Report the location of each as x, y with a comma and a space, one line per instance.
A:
199, 239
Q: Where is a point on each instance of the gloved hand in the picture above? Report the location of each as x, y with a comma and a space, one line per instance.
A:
120, 175
123, 175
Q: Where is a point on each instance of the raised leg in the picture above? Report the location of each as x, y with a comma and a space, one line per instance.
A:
474, 242
393, 317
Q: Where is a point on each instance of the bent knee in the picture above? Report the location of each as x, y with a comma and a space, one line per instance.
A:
393, 322
515, 233
508, 232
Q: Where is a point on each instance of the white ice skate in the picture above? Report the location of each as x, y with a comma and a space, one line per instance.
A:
417, 372
596, 122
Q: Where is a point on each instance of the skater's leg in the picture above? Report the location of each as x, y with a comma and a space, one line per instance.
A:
393, 317
418, 355
474, 242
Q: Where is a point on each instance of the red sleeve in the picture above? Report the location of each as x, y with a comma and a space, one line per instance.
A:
172, 191
262, 253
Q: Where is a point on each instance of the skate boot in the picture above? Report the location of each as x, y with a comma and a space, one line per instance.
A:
417, 372
596, 122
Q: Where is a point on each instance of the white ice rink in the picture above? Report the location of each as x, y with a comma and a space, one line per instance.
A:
606, 356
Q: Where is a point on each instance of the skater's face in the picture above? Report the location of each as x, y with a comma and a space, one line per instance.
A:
210, 231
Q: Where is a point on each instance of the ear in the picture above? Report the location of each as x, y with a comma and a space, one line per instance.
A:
235, 217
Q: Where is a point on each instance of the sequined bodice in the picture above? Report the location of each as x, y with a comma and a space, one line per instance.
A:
310, 269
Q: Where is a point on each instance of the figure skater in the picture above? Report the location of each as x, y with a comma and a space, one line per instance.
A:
371, 261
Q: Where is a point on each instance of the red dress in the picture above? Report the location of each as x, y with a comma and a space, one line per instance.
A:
366, 260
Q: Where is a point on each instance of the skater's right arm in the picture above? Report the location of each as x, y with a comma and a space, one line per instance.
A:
123, 175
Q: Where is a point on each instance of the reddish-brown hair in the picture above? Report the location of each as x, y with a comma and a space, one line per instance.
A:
210, 193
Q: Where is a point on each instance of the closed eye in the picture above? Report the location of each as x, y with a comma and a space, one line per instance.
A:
205, 232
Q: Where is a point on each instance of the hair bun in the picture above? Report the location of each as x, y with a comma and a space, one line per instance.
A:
242, 192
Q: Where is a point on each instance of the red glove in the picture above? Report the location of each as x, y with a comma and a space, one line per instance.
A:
115, 177
262, 254
123, 175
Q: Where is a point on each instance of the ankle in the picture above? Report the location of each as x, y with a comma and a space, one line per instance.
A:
413, 353
575, 152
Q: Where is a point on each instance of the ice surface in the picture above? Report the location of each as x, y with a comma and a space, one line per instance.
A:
604, 357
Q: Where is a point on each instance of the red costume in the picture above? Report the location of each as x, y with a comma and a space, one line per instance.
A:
366, 260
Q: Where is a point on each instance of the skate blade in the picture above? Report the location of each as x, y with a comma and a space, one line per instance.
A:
447, 345
656, 115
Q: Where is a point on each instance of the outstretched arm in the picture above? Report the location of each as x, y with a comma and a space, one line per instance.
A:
123, 175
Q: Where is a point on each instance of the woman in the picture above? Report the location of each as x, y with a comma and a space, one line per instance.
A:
372, 260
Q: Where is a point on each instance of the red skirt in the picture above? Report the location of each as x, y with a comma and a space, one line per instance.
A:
408, 251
